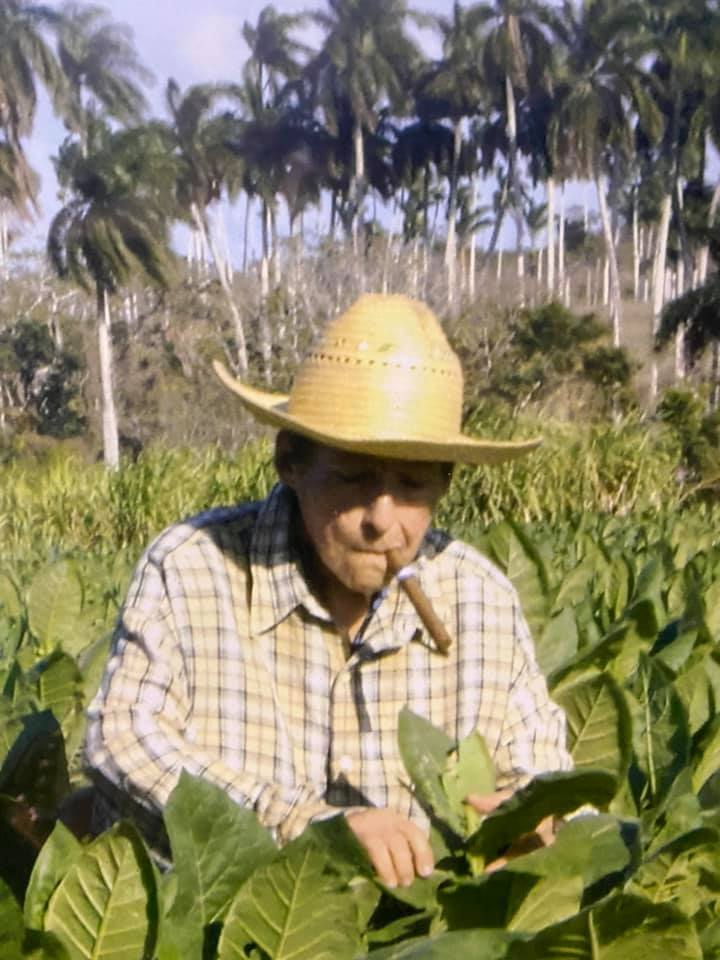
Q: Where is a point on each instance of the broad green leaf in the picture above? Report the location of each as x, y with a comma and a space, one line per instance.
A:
510, 900
590, 847
36, 768
698, 687
599, 725
711, 601
674, 874
706, 757
661, 737
58, 854
558, 642
40, 945
576, 584
623, 927
10, 726
549, 793
106, 904
54, 604
216, 846
424, 750
10, 605
292, 910
11, 925
344, 852
455, 944
520, 561
469, 769
59, 685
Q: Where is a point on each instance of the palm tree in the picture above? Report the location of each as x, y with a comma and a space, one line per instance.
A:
114, 227
453, 87
274, 55
684, 38
25, 58
205, 167
517, 50
597, 89
102, 69
366, 59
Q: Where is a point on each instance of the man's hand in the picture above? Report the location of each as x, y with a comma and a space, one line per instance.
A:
398, 849
542, 836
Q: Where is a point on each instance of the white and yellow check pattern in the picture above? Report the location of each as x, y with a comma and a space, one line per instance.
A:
224, 663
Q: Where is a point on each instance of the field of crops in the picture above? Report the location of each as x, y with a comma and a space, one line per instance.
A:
618, 568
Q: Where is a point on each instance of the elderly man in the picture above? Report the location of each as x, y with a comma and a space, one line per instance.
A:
269, 648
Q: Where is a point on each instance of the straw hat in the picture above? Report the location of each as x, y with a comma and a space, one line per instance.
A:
382, 380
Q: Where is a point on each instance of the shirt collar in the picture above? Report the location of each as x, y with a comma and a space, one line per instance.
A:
278, 586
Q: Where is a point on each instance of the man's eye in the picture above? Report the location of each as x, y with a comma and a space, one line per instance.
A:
349, 477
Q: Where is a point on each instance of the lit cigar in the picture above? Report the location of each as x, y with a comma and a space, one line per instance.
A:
409, 583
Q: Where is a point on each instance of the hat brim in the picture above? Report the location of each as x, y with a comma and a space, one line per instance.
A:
271, 409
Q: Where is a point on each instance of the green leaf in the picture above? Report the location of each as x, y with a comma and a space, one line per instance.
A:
590, 847
292, 910
424, 750
599, 724
549, 793
58, 854
36, 768
522, 564
706, 757
558, 642
661, 736
11, 925
10, 605
458, 944
203, 825
623, 927
711, 602
469, 769
59, 686
106, 904
54, 604
674, 874
40, 945
510, 900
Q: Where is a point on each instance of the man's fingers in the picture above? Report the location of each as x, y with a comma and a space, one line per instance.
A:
382, 861
397, 848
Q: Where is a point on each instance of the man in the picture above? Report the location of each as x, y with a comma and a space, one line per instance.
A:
269, 648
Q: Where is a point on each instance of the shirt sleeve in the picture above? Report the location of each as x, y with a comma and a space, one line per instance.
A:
138, 736
532, 738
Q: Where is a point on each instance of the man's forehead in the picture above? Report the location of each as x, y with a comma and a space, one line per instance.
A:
334, 457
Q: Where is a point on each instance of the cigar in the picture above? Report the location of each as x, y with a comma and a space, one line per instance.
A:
410, 585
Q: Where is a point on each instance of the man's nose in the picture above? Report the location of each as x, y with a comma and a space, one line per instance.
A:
380, 513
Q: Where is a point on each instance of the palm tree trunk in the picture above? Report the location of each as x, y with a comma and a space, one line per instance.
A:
704, 252
551, 237
611, 254
206, 234
451, 242
111, 441
473, 242
357, 183
561, 244
658, 293
635, 247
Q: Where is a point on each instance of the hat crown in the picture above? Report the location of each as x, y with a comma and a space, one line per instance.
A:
383, 369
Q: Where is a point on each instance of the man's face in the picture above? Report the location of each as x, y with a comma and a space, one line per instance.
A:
356, 507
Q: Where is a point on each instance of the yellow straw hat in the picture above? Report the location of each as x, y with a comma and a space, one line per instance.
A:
382, 380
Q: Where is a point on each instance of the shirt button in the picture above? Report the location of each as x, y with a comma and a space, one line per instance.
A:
346, 764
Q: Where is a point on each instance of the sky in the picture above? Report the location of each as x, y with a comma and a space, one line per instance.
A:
187, 40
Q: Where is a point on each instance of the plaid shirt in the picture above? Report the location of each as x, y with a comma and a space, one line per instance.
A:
225, 664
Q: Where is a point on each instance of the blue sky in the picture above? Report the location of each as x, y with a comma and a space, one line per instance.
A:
189, 41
